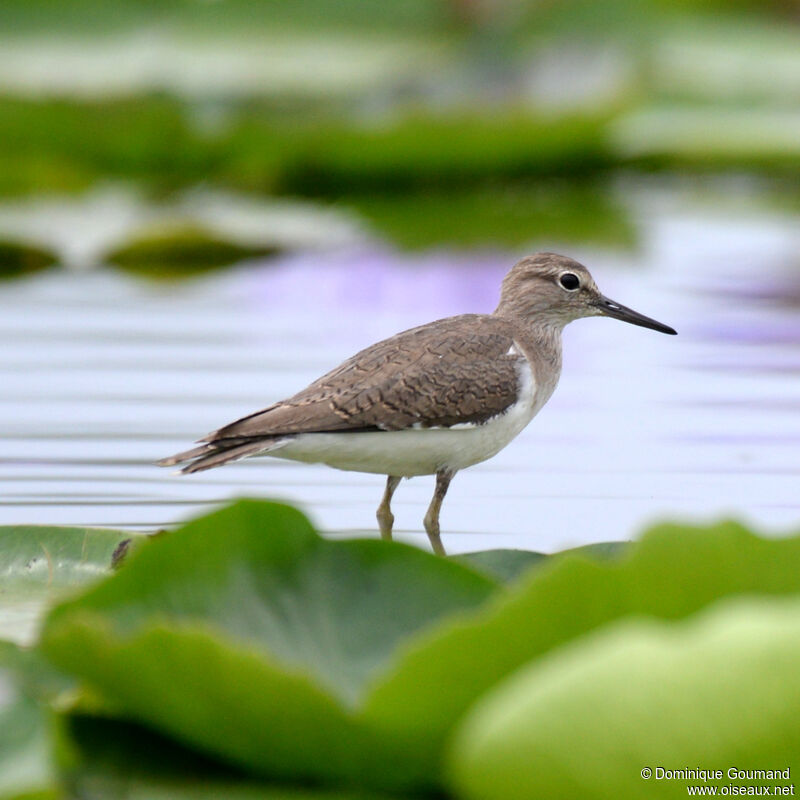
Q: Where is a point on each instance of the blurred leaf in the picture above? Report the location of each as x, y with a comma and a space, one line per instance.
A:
62, 145
429, 152
38, 564
716, 692
672, 573
45, 556
507, 565
67, 145
246, 616
508, 216
182, 251
109, 758
709, 137
356, 18
233, 16
743, 66
32, 673
20, 259
350, 649
26, 769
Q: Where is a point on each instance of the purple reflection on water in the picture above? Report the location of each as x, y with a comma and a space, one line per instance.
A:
780, 290
438, 282
754, 303
764, 330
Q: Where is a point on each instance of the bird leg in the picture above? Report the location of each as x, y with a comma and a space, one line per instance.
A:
384, 512
443, 479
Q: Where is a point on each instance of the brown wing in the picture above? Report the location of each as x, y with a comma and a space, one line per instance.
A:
453, 371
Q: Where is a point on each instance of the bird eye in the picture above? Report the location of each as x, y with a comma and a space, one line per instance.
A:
569, 281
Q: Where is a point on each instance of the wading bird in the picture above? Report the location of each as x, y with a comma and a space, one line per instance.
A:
431, 400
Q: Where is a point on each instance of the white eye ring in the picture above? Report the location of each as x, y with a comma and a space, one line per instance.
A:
569, 281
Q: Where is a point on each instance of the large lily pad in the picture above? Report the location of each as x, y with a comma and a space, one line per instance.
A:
248, 636
26, 766
32, 674
25, 762
512, 215
350, 663
39, 564
600, 718
672, 573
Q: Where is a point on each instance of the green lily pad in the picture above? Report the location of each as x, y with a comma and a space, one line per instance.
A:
182, 251
510, 215
32, 673
17, 259
350, 663
26, 766
590, 719
505, 565
109, 758
39, 564
672, 573
248, 636
426, 152
708, 137
508, 565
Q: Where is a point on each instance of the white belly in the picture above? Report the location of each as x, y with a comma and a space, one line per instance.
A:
417, 451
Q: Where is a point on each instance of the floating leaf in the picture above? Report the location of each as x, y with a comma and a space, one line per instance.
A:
248, 636
181, 251
709, 137
717, 692
26, 768
18, 259
513, 215
110, 758
425, 152
32, 673
505, 565
672, 573
341, 662
39, 563
508, 565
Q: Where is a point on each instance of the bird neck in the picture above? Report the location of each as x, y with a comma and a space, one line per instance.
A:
540, 341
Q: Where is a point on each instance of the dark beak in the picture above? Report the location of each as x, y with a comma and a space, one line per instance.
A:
608, 308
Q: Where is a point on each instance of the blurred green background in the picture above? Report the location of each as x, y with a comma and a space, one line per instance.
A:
455, 122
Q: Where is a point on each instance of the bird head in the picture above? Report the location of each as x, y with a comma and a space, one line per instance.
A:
551, 289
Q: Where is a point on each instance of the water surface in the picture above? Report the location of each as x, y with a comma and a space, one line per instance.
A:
102, 374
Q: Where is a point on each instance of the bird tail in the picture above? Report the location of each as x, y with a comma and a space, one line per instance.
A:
186, 455
215, 454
